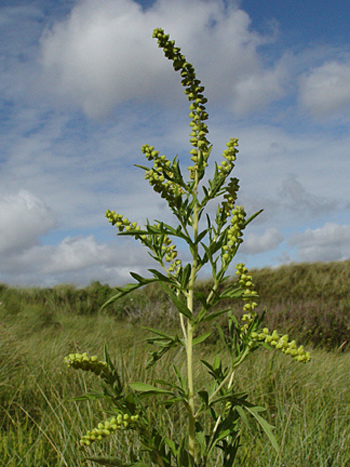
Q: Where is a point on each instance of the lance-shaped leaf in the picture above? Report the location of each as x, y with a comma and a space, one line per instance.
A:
204, 396
113, 378
148, 389
179, 377
201, 338
128, 288
203, 315
159, 277
184, 276
170, 443
232, 292
166, 229
265, 425
164, 341
251, 218
180, 305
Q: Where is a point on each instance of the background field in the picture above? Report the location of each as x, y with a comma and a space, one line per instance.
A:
309, 404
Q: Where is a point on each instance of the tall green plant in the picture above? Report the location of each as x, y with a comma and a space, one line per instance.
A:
214, 413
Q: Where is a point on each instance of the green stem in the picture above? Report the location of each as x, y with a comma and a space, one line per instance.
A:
190, 327
217, 282
191, 408
229, 377
183, 327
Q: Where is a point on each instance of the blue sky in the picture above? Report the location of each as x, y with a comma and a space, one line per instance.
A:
83, 86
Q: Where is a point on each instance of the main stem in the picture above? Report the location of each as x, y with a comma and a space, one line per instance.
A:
190, 327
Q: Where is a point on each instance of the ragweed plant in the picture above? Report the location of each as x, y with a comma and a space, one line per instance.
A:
214, 413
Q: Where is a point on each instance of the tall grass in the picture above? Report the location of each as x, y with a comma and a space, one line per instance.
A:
309, 301
310, 405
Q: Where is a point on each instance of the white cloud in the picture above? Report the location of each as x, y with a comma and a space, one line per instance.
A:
327, 243
325, 90
103, 54
258, 89
23, 219
259, 243
296, 198
77, 253
79, 260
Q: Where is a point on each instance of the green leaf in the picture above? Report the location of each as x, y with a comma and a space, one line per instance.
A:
221, 334
212, 316
201, 315
201, 235
185, 276
155, 356
232, 292
202, 298
180, 305
140, 279
169, 230
251, 218
242, 414
143, 387
222, 435
236, 399
204, 397
108, 359
217, 362
171, 445
179, 377
184, 459
162, 334
132, 233
202, 338
201, 439
208, 365
141, 167
208, 252
148, 388
128, 288
265, 425
158, 276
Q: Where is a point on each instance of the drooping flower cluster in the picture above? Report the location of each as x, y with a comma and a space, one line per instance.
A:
234, 233
250, 296
157, 242
283, 343
229, 157
246, 282
121, 421
161, 176
194, 92
169, 253
122, 223
230, 198
274, 339
86, 363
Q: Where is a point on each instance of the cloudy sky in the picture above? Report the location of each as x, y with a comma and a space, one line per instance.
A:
83, 86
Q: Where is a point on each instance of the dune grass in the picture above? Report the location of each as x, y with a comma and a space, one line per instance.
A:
39, 426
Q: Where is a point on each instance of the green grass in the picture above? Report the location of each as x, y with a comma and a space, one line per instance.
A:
308, 404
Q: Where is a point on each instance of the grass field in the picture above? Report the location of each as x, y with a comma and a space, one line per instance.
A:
309, 404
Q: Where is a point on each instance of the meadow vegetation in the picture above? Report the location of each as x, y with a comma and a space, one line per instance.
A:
308, 404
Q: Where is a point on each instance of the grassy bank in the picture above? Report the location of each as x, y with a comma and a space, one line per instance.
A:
309, 404
308, 301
